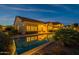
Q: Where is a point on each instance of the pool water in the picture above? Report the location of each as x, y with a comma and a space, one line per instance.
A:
29, 42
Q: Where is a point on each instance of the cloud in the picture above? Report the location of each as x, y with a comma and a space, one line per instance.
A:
67, 8
54, 19
61, 19
27, 9
6, 20
63, 6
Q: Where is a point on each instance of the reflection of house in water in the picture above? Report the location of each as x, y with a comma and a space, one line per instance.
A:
42, 37
31, 26
39, 37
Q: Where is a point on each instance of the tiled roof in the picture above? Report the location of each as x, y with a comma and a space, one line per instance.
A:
33, 20
54, 22
28, 19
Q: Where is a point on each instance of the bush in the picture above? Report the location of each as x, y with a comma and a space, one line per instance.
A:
7, 45
68, 36
11, 30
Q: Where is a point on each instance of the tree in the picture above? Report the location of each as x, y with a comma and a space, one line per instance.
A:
11, 30
7, 45
1, 27
75, 24
68, 36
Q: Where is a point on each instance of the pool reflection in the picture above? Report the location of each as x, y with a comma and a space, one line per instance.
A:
26, 43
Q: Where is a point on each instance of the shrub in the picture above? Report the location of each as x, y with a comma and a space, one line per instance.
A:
11, 30
7, 45
68, 36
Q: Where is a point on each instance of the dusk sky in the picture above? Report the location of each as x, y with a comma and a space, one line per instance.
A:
66, 14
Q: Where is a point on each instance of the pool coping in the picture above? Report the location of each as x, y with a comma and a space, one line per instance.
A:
34, 50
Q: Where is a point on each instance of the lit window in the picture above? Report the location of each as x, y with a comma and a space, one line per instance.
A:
28, 28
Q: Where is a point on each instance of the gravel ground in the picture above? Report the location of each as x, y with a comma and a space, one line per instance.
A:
55, 48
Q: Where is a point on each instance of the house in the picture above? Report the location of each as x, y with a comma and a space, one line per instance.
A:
54, 26
32, 26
